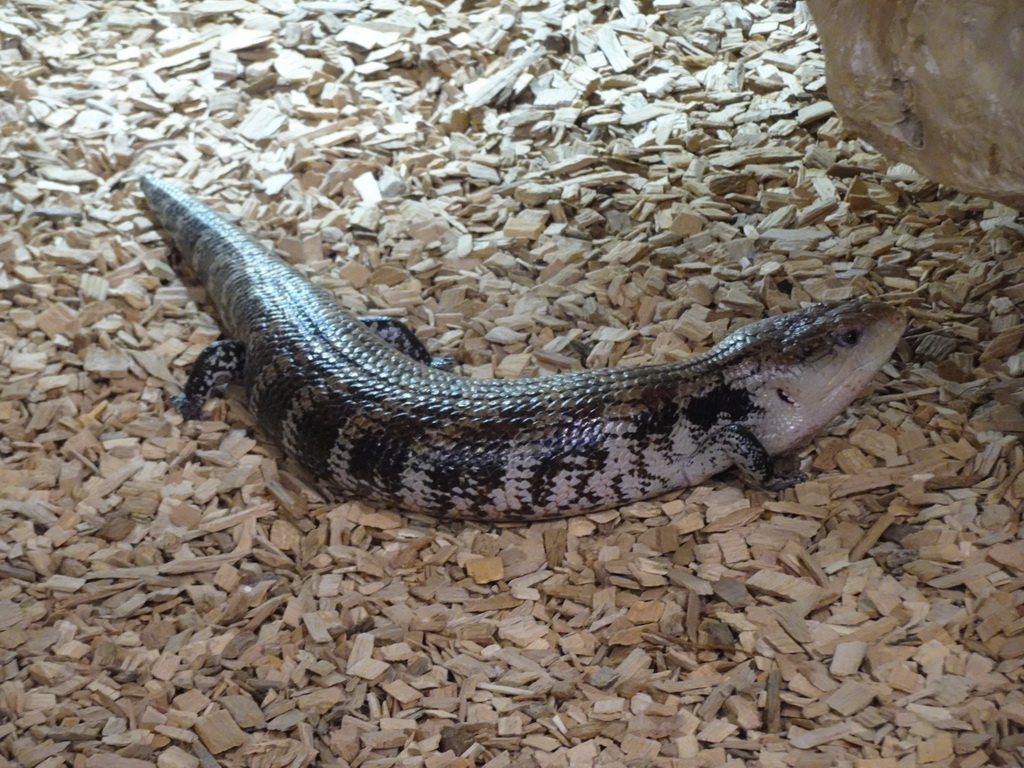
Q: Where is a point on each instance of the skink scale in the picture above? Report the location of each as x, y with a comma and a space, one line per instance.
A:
360, 404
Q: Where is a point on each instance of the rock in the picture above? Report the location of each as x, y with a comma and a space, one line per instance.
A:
933, 83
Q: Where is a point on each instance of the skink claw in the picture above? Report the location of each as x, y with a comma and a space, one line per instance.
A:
783, 480
190, 409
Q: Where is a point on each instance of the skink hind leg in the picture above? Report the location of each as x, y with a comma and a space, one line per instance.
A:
751, 458
400, 336
216, 365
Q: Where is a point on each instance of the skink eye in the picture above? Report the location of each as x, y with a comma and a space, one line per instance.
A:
848, 338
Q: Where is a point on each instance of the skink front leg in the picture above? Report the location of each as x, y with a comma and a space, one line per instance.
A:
400, 336
216, 365
749, 456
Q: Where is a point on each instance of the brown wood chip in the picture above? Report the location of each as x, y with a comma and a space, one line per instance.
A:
533, 189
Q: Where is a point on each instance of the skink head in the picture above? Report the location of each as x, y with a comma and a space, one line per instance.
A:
812, 363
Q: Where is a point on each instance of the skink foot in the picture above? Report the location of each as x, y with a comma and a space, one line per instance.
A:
216, 365
751, 458
400, 336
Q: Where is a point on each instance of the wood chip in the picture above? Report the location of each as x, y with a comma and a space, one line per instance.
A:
219, 731
532, 192
485, 570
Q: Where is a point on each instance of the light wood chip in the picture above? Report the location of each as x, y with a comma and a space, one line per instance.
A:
219, 731
485, 570
532, 190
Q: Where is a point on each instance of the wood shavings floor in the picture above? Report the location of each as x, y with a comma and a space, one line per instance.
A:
535, 188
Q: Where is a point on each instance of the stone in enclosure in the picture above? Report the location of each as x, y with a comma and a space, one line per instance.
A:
933, 83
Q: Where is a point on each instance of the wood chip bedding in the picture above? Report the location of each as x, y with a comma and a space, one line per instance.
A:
534, 188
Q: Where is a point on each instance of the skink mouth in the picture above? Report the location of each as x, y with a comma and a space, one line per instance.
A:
884, 325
